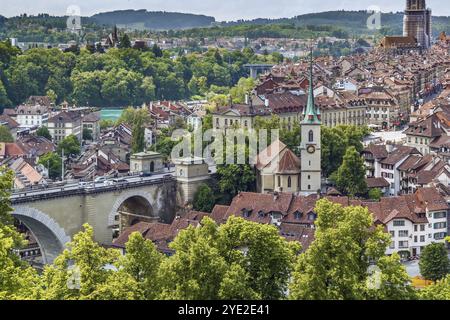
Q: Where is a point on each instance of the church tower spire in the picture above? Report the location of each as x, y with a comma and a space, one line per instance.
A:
310, 148
311, 113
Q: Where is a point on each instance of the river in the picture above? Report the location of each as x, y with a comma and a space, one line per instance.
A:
110, 114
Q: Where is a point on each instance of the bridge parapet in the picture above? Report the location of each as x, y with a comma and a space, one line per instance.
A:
25, 197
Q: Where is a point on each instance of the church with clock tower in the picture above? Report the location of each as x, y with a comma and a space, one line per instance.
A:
281, 170
310, 149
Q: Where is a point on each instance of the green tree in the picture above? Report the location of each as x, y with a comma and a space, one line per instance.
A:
124, 42
132, 115
70, 145
87, 87
4, 99
119, 285
106, 123
17, 279
434, 262
52, 95
234, 178
337, 264
350, 177
204, 199
236, 285
138, 136
5, 134
157, 51
53, 163
141, 262
83, 265
437, 291
375, 194
243, 87
210, 263
43, 132
335, 142
87, 134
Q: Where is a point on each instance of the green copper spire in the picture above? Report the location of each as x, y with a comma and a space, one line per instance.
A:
311, 113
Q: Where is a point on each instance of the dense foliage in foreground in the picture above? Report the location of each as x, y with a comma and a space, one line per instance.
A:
236, 260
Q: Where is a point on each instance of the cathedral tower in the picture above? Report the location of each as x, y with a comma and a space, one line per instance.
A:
417, 22
310, 148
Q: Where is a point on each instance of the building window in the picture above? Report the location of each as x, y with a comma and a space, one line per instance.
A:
289, 182
440, 215
311, 136
403, 233
440, 235
279, 181
403, 244
440, 225
399, 223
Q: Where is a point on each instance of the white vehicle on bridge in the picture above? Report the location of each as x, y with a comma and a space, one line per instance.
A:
100, 179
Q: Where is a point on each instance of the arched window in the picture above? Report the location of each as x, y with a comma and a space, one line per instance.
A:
311, 136
279, 181
152, 166
289, 182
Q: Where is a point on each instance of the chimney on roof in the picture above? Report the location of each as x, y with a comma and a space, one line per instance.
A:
275, 196
266, 102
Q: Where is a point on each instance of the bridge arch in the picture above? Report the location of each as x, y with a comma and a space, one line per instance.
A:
123, 198
49, 235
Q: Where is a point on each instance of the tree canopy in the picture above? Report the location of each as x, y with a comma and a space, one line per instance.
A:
347, 259
5, 134
434, 262
70, 145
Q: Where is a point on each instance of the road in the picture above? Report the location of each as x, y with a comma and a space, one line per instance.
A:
412, 267
76, 186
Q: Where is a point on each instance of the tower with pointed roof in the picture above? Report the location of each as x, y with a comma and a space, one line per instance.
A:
310, 148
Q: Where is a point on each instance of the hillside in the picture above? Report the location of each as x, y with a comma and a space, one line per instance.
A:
351, 21
145, 20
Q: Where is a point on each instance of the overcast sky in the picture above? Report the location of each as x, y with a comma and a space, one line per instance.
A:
220, 9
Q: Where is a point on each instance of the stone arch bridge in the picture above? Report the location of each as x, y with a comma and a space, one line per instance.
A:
54, 216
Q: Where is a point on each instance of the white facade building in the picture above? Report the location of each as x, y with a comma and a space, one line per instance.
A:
32, 116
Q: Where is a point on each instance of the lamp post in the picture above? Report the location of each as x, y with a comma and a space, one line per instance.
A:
62, 165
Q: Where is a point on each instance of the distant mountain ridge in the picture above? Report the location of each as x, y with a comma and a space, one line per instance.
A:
352, 21
154, 20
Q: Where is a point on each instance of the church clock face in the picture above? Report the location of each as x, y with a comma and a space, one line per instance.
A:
311, 149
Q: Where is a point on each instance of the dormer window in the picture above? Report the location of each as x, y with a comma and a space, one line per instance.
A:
298, 215
261, 214
246, 213
311, 216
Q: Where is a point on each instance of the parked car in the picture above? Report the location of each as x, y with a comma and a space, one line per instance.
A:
145, 174
100, 179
